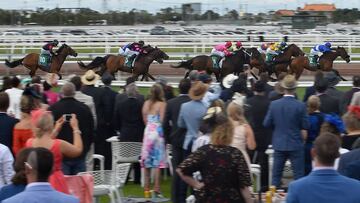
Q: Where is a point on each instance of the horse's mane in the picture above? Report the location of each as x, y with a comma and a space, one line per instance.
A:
61, 48
288, 47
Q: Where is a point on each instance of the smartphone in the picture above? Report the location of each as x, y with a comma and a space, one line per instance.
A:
67, 117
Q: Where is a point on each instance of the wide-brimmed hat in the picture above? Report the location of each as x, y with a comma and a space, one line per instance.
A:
332, 78
289, 82
90, 78
229, 80
198, 90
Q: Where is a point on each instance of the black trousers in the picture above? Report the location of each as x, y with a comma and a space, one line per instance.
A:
263, 160
178, 187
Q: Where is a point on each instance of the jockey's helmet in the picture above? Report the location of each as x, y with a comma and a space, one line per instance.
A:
283, 44
55, 42
228, 44
264, 46
328, 44
141, 43
238, 44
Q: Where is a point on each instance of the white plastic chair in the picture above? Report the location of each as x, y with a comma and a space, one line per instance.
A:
90, 157
256, 172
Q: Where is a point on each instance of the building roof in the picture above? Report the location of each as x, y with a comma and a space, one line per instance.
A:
284, 12
319, 7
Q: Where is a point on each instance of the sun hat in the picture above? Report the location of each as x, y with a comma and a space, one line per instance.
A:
289, 82
90, 78
198, 90
229, 80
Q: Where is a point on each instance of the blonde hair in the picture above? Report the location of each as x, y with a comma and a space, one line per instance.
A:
352, 122
313, 104
236, 113
222, 133
156, 94
44, 124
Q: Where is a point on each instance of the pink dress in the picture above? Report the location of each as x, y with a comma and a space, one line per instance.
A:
51, 97
57, 179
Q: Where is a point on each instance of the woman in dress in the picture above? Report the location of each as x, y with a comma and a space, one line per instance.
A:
153, 153
225, 174
45, 131
243, 138
23, 129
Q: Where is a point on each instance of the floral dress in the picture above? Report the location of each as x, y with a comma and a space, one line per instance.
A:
224, 171
153, 154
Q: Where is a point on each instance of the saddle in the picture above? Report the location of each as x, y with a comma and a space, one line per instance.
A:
313, 60
45, 61
130, 61
217, 61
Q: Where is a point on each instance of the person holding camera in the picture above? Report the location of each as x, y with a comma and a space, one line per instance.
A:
45, 136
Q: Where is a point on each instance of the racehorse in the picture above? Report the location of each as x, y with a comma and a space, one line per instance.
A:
113, 63
282, 61
31, 61
233, 63
326, 62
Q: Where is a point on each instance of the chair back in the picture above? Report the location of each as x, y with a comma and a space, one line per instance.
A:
126, 152
81, 186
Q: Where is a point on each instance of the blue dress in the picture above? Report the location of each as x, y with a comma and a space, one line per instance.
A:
153, 153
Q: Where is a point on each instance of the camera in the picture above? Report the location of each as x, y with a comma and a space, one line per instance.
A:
67, 117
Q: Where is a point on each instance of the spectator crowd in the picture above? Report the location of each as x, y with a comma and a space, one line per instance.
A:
216, 133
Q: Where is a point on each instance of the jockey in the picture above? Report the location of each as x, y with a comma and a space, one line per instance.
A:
281, 47
262, 48
48, 48
237, 46
132, 49
320, 49
222, 50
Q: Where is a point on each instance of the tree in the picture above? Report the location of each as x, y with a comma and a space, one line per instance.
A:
168, 14
210, 15
233, 14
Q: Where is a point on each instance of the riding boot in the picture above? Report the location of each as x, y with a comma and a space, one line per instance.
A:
132, 57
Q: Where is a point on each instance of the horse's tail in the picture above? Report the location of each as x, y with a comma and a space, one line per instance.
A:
98, 61
183, 64
14, 63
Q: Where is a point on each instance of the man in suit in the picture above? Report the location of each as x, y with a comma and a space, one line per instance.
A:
349, 162
324, 184
345, 102
287, 116
69, 105
38, 168
333, 80
7, 122
176, 138
328, 104
258, 105
105, 129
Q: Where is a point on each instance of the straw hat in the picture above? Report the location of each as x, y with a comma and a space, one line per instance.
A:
90, 78
229, 80
198, 90
289, 82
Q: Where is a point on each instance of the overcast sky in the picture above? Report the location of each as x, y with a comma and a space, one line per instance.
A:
154, 5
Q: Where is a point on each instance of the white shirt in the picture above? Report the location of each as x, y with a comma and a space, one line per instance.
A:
37, 184
15, 96
6, 166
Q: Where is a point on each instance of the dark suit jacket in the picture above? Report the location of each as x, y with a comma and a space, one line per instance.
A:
346, 159
346, 100
328, 104
97, 94
84, 116
308, 92
123, 96
171, 117
258, 107
7, 124
128, 119
287, 116
109, 104
324, 186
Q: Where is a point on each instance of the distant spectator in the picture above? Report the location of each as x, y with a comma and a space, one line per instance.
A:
7, 83
14, 94
19, 181
7, 122
39, 167
51, 96
227, 82
193, 76
257, 106
128, 121
287, 116
333, 80
355, 99
349, 164
175, 136
36, 79
316, 119
69, 105
168, 90
264, 77
278, 91
85, 99
311, 90
122, 94
346, 100
213, 92
328, 104
24, 129
6, 166
352, 123
324, 179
